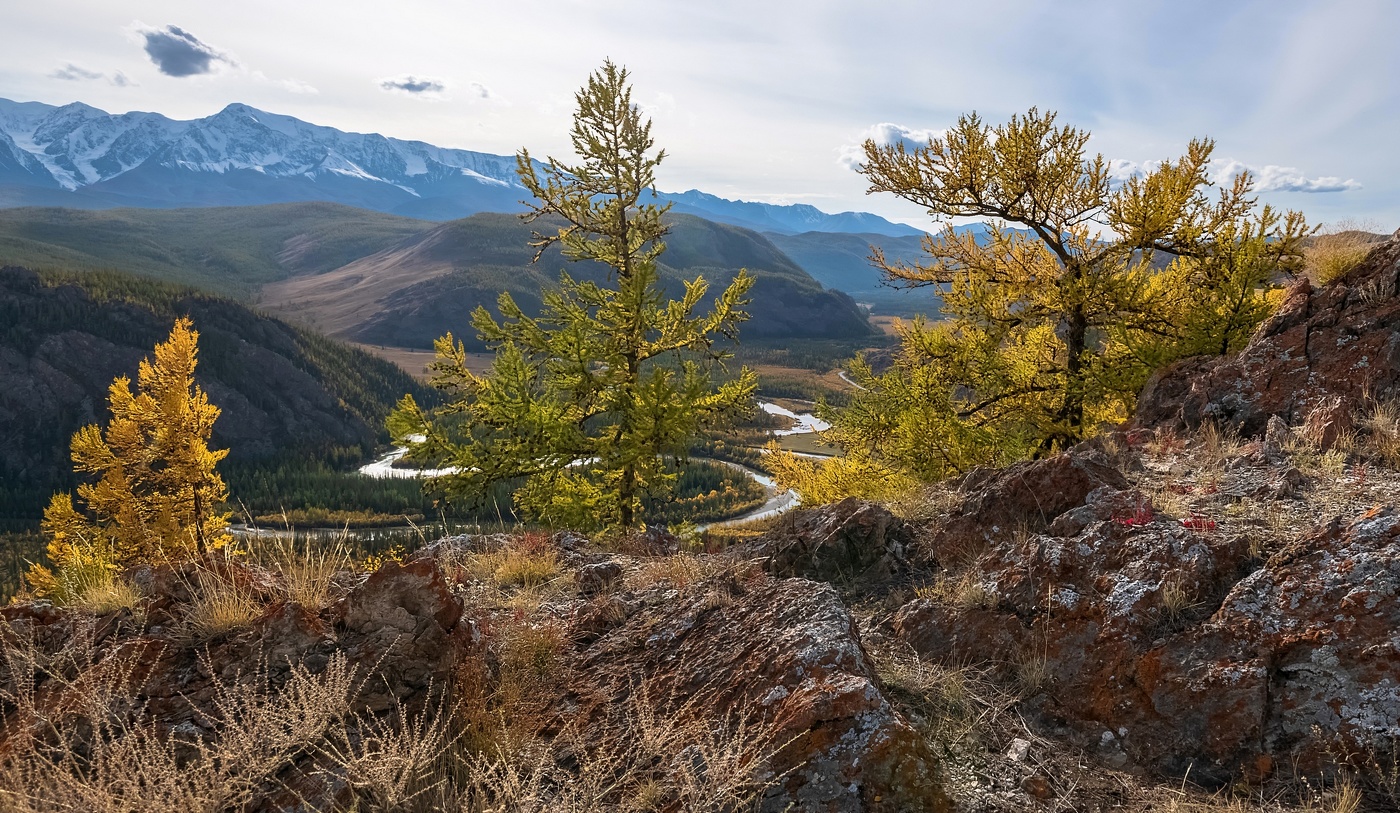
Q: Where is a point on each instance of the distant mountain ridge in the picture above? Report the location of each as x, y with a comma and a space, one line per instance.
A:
82, 157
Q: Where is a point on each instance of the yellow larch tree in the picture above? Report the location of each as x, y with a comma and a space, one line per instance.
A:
157, 497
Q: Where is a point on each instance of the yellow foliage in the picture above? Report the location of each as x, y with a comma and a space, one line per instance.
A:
1055, 316
829, 480
157, 497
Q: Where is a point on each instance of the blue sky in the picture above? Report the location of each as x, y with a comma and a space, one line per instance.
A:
764, 99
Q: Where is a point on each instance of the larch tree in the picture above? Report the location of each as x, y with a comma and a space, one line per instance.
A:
157, 496
1053, 319
590, 403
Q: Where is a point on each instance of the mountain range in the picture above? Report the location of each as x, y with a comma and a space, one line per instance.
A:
389, 280
81, 157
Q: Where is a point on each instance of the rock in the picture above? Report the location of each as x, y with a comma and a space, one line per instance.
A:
1027, 495
785, 657
847, 541
400, 626
1326, 349
1328, 422
1037, 786
1018, 750
1158, 643
597, 578
1277, 439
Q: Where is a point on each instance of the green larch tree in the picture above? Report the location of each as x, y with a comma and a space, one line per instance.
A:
589, 403
1053, 320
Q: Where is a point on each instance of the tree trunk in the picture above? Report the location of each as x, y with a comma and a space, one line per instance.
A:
199, 543
1071, 413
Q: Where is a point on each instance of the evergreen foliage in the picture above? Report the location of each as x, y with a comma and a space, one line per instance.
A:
592, 401
157, 497
276, 374
1051, 329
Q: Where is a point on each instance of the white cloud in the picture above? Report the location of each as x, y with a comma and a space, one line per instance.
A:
885, 134
1274, 178
1267, 178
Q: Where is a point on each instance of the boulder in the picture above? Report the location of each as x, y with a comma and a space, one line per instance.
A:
1168, 648
1325, 349
782, 658
1029, 495
852, 540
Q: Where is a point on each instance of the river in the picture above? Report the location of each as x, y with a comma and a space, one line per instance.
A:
779, 499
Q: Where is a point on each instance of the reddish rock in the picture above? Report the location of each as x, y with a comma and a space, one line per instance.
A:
845, 541
1161, 651
1325, 349
1027, 495
783, 654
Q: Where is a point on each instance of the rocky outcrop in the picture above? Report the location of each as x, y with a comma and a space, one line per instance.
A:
1024, 496
782, 658
1160, 643
1316, 358
852, 540
770, 675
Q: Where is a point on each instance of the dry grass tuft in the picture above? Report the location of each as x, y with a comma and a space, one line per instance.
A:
1381, 422
219, 605
964, 591
1339, 249
108, 596
680, 571
307, 567
519, 567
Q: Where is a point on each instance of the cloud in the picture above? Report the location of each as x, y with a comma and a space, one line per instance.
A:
76, 73
420, 86
1274, 178
479, 91
1267, 178
885, 134
177, 52
73, 73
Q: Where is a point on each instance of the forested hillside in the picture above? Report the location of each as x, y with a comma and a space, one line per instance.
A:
285, 393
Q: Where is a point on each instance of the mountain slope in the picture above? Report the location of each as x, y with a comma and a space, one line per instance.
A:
82, 157
783, 219
284, 392
226, 250
428, 285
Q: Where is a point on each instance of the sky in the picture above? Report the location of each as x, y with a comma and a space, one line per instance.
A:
768, 100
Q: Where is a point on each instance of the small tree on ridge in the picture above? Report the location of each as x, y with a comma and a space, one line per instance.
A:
587, 402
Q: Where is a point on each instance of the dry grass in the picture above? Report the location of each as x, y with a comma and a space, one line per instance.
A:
679, 571
1381, 423
1339, 249
91, 747
1177, 600
96, 751
219, 605
964, 591
519, 567
307, 567
1032, 673
107, 596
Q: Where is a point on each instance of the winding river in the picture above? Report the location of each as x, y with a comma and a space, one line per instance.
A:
779, 499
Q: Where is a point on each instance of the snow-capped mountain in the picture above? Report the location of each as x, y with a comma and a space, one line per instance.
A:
240, 155
79, 156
